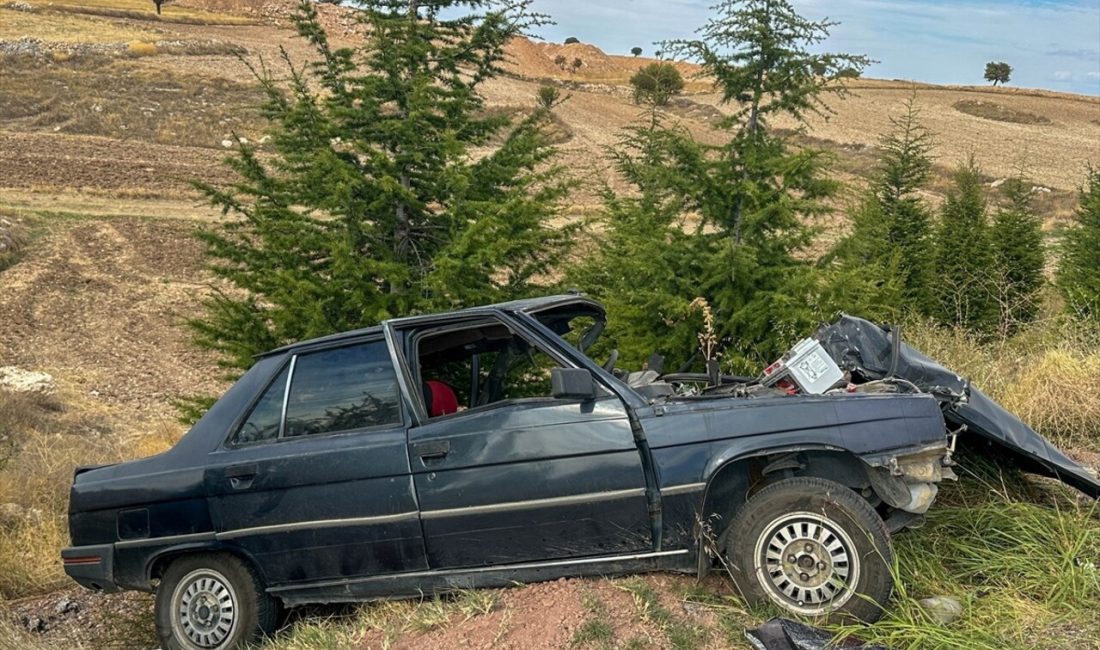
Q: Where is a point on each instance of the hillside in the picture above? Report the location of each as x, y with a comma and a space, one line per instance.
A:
109, 112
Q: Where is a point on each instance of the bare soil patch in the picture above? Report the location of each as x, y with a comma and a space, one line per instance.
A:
100, 304
993, 111
54, 162
126, 100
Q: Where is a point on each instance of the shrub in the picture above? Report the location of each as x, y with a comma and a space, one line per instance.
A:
548, 96
571, 40
12, 242
656, 83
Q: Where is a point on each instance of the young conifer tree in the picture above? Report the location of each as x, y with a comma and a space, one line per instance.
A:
965, 274
756, 192
1079, 271
1017, 235
384, 193
892, 226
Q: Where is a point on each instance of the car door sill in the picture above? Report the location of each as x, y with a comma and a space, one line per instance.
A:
417, 583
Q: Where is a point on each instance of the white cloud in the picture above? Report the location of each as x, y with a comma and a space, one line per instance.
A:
1061, 75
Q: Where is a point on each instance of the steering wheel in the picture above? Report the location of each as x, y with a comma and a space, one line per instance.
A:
609, 365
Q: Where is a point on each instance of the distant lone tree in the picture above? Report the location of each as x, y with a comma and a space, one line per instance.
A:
656, 83
636, 51
560, 60
571, 40
158, 3
998, 72
576, 65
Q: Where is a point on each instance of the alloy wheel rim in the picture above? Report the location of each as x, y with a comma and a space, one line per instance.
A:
806, 563
204, 609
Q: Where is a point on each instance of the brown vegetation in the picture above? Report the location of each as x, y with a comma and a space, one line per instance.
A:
998, 112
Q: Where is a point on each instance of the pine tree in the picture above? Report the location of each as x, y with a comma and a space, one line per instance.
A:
1079, 271
1018, 257
964, 285
892, 227
373, 203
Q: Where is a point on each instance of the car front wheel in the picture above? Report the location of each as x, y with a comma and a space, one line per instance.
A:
813, 547
212, 602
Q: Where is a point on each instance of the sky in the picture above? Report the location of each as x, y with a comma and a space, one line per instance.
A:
1052, 44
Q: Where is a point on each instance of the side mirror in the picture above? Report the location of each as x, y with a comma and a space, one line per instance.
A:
572, 383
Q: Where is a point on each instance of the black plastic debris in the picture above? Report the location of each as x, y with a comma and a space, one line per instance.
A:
873, 353
785, 634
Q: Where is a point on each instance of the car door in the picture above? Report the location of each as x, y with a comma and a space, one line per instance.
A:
527, 477
314, 483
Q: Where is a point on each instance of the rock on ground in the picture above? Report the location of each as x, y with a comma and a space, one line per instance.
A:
25, 381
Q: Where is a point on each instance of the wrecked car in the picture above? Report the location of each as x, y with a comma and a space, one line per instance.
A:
483, 447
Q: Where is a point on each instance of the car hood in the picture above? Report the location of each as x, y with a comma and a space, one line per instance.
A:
866, 349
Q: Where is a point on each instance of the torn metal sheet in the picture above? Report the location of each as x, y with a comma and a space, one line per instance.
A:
871, 352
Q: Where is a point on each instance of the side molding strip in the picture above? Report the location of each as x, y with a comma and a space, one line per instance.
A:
534, 503
167, 539
685, 488
320, 523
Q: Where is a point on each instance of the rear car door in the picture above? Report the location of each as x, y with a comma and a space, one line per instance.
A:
516, 475
314, 482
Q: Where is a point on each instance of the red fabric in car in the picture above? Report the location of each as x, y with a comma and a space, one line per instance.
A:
443, 399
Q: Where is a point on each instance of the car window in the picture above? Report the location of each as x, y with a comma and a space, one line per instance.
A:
341, 389
481, 365
263, 422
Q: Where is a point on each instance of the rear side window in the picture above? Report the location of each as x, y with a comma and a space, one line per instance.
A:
342, 389
263, 422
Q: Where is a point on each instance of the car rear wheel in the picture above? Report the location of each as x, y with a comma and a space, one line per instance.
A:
813, 547
212, 602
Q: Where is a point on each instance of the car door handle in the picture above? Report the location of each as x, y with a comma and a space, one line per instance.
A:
432, 449
241, 476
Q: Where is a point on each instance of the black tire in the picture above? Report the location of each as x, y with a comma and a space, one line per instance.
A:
839, 545
212, 601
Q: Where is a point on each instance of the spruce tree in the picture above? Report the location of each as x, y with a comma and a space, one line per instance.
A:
756, 192
373, 202
892, 226
965, 275
1079, 271
1018, 257
642, 262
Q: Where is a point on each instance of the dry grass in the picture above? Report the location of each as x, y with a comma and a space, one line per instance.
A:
44, 441
998, 112
141, 48
62, 28
1046, 375
140, 10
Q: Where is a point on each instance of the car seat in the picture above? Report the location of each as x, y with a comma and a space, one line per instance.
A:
439, 398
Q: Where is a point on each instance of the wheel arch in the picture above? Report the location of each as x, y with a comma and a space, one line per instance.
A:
156, 565
737, 477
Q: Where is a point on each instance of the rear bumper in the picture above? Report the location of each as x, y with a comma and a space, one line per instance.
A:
91, 566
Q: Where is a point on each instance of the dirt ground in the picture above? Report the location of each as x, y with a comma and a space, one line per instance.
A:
100, 305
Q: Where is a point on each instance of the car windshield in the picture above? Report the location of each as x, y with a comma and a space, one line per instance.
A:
580, 324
